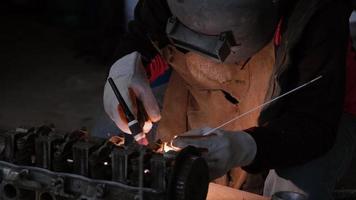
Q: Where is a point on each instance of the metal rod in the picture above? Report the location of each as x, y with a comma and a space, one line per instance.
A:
262, 105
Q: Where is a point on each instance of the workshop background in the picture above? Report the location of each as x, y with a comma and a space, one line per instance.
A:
54, 57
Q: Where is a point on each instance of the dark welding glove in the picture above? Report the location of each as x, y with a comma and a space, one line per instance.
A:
130, 77
225, 149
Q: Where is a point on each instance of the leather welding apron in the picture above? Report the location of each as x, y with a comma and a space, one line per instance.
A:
204, 93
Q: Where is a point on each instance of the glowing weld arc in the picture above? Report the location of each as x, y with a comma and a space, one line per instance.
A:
262, 105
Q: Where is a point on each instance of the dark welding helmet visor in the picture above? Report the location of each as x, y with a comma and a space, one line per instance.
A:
218, 47
228, 31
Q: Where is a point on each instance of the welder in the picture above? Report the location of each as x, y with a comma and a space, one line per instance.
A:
227, 57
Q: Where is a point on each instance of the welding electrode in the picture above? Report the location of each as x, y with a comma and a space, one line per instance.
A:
134, 126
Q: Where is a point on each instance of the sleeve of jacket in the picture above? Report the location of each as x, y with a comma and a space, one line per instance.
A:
307, 124
148, 26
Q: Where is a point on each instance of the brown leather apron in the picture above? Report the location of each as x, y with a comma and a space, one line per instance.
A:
196, 93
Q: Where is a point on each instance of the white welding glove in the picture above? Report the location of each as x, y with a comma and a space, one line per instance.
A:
225, 150
130, 77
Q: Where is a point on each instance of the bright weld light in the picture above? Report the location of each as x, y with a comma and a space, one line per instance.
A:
169, 147
106, 163
117, 140
70, 160
146, 171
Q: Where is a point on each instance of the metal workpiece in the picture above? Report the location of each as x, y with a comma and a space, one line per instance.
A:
63, 152
73, 166
190, 179
44, 149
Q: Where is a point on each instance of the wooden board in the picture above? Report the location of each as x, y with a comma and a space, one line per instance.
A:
218, 192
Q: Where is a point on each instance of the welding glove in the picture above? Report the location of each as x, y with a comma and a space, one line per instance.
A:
130, 77
224, 149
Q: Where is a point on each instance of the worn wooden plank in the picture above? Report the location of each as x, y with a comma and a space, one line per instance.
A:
218, 192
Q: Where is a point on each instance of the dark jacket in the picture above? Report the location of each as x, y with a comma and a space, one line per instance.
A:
302, 126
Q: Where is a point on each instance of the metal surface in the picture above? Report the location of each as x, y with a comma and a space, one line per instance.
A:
73, 166
189, 168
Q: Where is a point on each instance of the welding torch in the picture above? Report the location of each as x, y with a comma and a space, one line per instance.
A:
137, 132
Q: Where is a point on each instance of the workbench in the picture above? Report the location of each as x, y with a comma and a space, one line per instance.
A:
219, 192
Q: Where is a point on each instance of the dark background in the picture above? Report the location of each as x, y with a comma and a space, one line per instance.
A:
54, 56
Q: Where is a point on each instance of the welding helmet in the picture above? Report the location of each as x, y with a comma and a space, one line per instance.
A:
229, 31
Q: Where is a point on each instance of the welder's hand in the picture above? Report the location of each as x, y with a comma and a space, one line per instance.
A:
130, 77
225, 150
